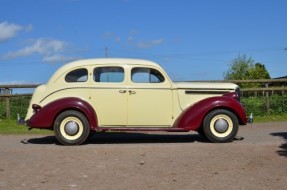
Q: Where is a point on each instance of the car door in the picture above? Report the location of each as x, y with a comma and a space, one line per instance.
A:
109, 96
150, 102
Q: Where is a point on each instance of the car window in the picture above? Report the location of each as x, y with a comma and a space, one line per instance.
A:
109, 74
146, 75
78, 75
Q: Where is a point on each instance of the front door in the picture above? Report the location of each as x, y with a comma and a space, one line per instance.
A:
150, 102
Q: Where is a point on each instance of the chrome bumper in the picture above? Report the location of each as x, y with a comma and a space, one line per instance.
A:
20, 120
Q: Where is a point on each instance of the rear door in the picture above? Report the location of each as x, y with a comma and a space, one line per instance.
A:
109, 96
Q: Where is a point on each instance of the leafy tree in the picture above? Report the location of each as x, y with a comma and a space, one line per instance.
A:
243, 68
239, 68
259, 72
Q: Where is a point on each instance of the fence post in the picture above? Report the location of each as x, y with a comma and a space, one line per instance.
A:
267, 100
8, 113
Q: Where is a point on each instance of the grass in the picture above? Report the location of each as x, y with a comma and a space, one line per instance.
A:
9, 126
270, 118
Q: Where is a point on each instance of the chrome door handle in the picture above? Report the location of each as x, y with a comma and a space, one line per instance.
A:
122, 91
132, 92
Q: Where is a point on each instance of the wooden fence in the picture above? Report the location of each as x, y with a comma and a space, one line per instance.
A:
269, 86
6, 93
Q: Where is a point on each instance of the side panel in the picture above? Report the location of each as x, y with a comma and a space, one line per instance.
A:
111, 105
189, 97
150, 107
44, 118
192, 117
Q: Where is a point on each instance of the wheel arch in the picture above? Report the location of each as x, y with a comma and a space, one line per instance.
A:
46, 116
81, 106
78, 110
192, 117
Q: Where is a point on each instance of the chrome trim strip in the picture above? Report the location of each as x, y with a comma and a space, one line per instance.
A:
205, 92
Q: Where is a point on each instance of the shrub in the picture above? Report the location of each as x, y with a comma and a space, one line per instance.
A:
18, 104
257, 105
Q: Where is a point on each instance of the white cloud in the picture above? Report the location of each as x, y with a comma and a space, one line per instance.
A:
29, 28
15, 82
143, 44
58, 58
132, 35
112, 36
149, 44
49, 49
10, 30
133, 40
40, 46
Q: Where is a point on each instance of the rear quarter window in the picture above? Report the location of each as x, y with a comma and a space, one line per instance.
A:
78, 75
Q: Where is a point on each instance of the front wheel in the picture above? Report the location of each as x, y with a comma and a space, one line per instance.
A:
71, 128
220, 126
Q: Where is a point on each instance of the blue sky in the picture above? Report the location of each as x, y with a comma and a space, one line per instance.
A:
192, 40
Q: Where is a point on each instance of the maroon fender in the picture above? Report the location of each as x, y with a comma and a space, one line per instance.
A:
192, 117
45, 116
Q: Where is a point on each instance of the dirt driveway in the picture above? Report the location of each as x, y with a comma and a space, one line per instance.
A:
141, 161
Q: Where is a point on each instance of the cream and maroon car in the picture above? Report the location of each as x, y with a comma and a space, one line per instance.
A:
97, 95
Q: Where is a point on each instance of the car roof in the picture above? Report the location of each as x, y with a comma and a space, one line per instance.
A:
114, 61
100, 61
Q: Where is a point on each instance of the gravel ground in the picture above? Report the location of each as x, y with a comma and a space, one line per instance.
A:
147, 161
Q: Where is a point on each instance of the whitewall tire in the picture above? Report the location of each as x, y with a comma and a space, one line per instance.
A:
71, 128
220, 126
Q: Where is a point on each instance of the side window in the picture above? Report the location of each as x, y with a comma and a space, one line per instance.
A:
109, 74
146, 75
78, 75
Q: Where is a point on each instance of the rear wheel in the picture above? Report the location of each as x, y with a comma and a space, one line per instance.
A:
71, 128
220, 126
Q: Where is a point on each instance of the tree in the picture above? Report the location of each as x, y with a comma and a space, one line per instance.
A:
243, 68
259, 72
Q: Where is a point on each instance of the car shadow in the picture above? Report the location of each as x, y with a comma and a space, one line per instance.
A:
283, 147
125, 138
137, 138
41, 140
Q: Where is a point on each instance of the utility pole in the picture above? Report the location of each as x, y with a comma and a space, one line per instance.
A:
106, 52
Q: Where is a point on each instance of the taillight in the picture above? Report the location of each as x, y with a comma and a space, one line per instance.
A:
36, 107
237, 91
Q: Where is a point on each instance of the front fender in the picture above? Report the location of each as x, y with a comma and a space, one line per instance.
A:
44, 117
192, 117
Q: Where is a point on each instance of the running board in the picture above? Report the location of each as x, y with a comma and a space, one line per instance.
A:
103, 129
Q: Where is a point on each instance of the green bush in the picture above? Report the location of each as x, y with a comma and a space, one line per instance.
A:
257, 105
18, 104
278, 104
254, 105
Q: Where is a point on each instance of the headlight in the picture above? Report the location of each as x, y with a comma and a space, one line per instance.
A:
237, 91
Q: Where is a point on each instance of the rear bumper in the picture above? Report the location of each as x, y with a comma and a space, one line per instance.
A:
21, 120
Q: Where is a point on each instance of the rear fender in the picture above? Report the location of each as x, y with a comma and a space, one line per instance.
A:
192, 117
45, 116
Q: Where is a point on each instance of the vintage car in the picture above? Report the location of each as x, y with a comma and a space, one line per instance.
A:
98, 95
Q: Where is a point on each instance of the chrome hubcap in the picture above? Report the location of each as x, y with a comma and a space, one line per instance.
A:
221, 126
72, 128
